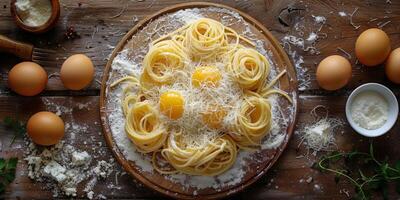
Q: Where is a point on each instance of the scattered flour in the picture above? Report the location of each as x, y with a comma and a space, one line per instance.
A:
312, 37
319, 19
342, 14
63, 167
58, 108
304, 38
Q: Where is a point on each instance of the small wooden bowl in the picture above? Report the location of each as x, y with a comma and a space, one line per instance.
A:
55, 14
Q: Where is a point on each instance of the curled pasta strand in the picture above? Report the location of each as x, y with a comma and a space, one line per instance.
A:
249, 68
155, 160
273, 82
204, 38
128, 97
144, 128
161, 60
213, 159
253, 122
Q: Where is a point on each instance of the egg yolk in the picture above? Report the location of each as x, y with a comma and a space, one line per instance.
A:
208, 76
213, 118
171, 104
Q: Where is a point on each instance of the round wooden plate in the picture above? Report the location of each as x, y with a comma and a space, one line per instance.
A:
265, 158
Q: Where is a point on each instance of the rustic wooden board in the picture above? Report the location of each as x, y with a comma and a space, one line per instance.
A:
281, 182
132, 41
100, 31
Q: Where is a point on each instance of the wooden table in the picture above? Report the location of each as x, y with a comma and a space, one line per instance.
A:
102, 23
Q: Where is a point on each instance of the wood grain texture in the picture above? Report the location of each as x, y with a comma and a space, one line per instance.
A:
100, 31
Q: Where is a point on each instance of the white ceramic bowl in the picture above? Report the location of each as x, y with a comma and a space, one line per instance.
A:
392, 104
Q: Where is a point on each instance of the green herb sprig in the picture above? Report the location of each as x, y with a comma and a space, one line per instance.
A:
7, 172
363, 170
16, 126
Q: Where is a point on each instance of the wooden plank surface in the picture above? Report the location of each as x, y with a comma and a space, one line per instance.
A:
100, 28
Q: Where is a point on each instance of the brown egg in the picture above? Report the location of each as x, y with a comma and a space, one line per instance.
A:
77, 72
333, 72
27, 79
392, 67
372, 47
45, 128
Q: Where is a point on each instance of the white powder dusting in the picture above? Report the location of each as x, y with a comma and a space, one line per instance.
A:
317, 187
128, 62
369, 110
303, 77
306, 34
62, 167
319, 19
275, 142
58, 108
342, 14
33, 12
312, 37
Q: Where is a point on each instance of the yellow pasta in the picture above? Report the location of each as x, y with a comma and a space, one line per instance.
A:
192, 52
212, 159
252, 122
205, 38
144, 128
161, 61
249, 68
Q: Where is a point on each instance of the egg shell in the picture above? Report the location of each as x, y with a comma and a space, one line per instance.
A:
372, 47
27, 79
77, 72
45, 128
333, 72
392, 67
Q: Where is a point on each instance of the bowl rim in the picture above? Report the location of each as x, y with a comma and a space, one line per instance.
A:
391, 101
49, 24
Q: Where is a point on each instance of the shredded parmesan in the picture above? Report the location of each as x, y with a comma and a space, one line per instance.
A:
320, 134
351, 19
129, 59
200, 100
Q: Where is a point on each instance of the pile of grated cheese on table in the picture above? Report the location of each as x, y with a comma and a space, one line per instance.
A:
319, 135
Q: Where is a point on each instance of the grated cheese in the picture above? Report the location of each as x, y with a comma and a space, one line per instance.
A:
199, 100
115, 116
320, 134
